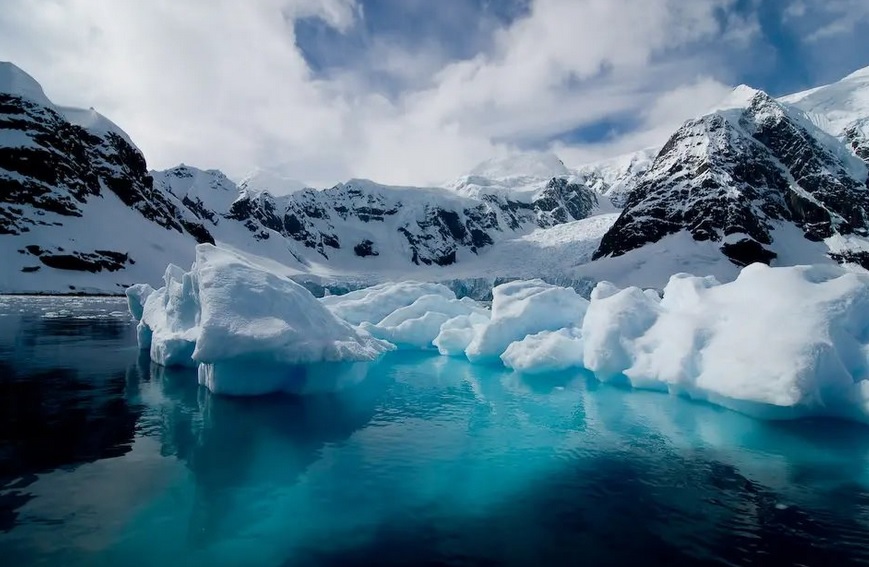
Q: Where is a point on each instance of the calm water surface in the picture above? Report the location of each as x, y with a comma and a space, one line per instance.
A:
107, 460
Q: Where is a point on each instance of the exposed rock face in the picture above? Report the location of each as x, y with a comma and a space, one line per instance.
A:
731, 176
433, 224
50, 165
857, 137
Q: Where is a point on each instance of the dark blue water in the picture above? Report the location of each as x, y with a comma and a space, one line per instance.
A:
107, 460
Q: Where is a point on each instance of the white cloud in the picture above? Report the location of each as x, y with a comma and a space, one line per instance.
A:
218, 83
828, 18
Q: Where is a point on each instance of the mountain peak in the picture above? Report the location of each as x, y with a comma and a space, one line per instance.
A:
270, 180
14, 81
741, 96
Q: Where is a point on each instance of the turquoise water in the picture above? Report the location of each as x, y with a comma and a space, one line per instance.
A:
108, 460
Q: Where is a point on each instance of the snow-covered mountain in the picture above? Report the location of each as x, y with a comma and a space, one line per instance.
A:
76, 198
757, 177
80, 212
615, 178
841, 109
779, 181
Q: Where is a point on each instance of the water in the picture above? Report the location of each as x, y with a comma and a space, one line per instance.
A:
107, 460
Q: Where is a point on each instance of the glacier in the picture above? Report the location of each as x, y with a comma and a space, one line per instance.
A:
776, 342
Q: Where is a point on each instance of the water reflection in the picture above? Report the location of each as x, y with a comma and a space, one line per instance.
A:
106, 458
63, 402
223, 441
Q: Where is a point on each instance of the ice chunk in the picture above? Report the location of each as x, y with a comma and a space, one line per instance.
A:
614, 319
136, 296
418, 324
251, 331
521, 308
168, 327
373, 304
456, 334
775, 343
548, 351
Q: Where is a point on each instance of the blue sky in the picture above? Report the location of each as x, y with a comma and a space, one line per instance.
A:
417, 91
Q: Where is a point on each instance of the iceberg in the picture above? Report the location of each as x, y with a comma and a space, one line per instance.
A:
249, 331
456, 334
419, 324
522, 308
373, 304
774, 343
547, 351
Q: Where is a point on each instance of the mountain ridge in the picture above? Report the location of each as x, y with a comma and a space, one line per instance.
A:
771, 168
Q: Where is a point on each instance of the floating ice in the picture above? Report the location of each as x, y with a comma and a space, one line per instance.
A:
250, 331
373, 304
136, 296
419, 324
168, 324
521, 308
547, 351
775, 343
456, 334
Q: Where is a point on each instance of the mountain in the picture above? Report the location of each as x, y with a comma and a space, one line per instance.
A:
757, 177
840, 109
76, 197
80, 212
615, 178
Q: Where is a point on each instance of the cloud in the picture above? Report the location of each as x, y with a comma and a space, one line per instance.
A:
842, 17
224, 84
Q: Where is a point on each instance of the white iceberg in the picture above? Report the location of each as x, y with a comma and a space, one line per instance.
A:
522, 308
373, 304
419, 324
249, 330
776, 342
456, 334
548, 351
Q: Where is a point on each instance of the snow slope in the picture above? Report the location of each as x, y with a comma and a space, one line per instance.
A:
835, 106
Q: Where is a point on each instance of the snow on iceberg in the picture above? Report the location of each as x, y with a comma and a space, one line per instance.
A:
776, 342
418, 325
373, 304
547, 351
522, 308
456, 334
250, 331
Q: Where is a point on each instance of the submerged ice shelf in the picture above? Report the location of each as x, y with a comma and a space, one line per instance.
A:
775, 343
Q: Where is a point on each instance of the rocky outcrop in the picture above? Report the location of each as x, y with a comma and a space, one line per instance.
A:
734, 175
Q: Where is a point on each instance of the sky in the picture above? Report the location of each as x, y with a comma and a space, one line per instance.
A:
417, 92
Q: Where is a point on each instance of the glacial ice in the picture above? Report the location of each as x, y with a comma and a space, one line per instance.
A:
373, 304
547, 351
774, 343
521, 308
136, 296
456, 334
418, 325
250, 331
